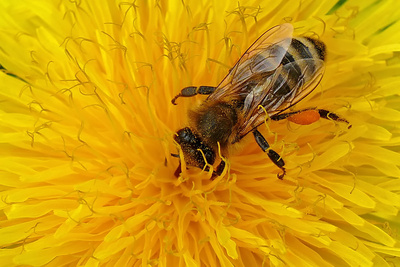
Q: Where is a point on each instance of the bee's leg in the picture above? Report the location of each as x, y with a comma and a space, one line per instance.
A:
283, 116
178, 170
219, 170
193, 90
326, 114
308, 116
275, 157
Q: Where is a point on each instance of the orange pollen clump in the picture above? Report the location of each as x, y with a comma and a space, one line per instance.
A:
305, 117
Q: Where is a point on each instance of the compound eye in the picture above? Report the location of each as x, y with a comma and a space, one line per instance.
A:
184, 136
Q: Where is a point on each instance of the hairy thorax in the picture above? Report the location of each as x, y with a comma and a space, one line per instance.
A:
214, 122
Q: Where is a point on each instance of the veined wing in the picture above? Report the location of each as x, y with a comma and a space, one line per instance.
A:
259, 61
280, 91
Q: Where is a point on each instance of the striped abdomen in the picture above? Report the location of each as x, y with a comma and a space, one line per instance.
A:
300, 63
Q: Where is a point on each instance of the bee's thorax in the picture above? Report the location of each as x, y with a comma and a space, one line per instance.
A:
214, 123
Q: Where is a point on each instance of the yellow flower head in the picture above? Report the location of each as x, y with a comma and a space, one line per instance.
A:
86, 136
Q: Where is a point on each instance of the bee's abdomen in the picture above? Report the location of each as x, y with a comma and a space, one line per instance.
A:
299, 64
306, 47
303, 48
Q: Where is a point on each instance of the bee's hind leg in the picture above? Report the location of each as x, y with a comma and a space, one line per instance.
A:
275, 157
308, 116
326, 114
193, 90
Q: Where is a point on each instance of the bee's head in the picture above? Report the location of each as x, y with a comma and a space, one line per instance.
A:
185, 136
193, 148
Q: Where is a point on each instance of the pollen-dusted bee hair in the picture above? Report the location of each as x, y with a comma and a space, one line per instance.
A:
276, 72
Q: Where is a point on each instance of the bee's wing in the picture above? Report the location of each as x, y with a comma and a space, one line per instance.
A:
275, 95
261, 58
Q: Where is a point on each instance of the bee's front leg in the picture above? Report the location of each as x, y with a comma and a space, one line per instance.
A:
193, 90
275, 157
218, 171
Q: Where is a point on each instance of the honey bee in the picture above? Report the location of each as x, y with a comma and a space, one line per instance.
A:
276, 72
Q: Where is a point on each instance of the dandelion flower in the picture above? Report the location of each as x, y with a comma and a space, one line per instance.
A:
86, 172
